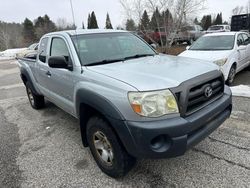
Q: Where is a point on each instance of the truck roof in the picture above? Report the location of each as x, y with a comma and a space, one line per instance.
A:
86, 31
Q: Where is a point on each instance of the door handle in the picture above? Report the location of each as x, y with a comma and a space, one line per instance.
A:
48, 73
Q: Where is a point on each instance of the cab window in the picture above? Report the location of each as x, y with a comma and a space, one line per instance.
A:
59, 48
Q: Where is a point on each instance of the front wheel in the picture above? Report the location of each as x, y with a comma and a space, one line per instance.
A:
108, 152
231, 75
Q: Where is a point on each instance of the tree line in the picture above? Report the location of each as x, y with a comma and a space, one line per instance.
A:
16, 35
162, 19
150, 23
207, 21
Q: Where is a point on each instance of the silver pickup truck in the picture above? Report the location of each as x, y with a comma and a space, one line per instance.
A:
131, 102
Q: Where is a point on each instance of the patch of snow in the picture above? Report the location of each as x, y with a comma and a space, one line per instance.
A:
11, 52
241, 91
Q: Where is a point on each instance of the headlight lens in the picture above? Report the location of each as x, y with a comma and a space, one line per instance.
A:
221, 62
153, 104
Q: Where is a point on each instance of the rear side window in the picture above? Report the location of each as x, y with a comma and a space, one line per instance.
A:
245, 39
43, 49
240, 40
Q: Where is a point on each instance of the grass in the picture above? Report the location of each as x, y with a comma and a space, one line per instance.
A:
174, 50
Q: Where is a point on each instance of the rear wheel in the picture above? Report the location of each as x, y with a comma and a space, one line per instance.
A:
36, 101
108, 152
231, 75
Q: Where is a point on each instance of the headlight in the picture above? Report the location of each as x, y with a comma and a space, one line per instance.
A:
153, 104
221, 62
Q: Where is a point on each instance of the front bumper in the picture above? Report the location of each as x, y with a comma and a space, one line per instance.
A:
173, 137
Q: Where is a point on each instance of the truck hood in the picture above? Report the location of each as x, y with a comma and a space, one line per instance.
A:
155, 73
207, 55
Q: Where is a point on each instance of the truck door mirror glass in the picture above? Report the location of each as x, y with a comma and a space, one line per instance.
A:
58, 62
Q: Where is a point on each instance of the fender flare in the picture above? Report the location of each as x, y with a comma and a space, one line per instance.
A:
102, 106
98, 102
26, 78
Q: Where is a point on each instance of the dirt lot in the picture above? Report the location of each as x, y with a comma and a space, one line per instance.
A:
43, 148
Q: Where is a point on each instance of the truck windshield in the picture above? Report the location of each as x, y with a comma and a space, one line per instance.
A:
103, 48
222, 42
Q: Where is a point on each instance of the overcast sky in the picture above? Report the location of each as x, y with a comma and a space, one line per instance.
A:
18, 10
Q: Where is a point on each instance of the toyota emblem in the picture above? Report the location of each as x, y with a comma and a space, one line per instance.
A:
208, 91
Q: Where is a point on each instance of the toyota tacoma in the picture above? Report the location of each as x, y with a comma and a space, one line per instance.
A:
131, 102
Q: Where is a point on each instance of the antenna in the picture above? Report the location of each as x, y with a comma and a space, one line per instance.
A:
72, 11
77, 41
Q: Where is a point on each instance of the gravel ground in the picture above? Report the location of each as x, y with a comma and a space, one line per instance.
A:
43, 149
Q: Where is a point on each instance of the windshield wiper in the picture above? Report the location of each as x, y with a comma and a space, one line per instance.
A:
138, 56
105, 61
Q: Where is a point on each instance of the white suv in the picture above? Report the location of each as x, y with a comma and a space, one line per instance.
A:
219, 28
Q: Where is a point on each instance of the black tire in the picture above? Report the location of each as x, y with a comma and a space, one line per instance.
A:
36, 101
231, 75
121, 162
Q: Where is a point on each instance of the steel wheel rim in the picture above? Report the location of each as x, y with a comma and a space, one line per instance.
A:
103, 148
30, 96
231, 75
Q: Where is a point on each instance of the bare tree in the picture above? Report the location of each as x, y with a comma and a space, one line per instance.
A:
63, 24
183, 9
248, 7
4, 37
238, 10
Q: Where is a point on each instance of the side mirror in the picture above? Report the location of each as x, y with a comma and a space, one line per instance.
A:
188, 47
153, 46
59, 62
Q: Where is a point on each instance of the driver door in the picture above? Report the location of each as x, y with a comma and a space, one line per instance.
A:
60, 82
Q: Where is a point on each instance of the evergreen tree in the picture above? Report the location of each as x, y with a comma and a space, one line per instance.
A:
196, 22
130, 25
145, 22
167, 20
156, 20
206, 22
108, 22
218, 20
83, 27
44, 25
28, 32
93, 21
89, 19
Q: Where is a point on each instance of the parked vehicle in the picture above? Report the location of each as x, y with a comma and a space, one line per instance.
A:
131, 101
187, 34
240, 22
31, 49
218, 28
229, 50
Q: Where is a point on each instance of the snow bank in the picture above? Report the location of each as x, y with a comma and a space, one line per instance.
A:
10, 52
241, 91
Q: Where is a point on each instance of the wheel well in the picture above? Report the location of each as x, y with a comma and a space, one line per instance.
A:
24, 78
86, 112
234, 65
